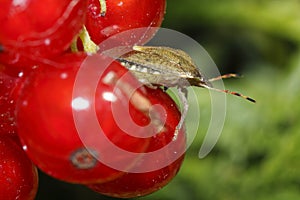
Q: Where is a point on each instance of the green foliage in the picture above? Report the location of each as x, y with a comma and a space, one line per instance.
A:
274, 17
257, 156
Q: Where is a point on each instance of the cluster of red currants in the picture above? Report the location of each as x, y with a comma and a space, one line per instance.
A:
38, 71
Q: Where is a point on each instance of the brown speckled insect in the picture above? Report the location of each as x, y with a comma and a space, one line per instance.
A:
168, 67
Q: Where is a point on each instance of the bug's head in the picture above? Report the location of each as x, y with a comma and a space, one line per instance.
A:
199, 81
206, 83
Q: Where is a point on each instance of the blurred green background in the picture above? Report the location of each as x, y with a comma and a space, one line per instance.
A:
257, 155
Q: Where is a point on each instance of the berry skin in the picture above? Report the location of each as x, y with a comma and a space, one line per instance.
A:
16, 63
36, 28
18, 176
122, 15
46, 123
9, 87
37, 105
132, 185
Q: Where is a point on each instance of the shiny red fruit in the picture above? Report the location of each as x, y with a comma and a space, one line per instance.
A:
47, 129
50, 133
34, 28
16, 62
9, 87
18, 176
123, 15
131, 184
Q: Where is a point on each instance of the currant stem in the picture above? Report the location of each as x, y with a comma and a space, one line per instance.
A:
74, 45
88, 45
103, 7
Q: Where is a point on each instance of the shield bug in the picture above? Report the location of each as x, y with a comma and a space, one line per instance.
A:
164, 66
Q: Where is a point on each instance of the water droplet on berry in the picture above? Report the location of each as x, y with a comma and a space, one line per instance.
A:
20, 74
47, 41
120, 3
64, 76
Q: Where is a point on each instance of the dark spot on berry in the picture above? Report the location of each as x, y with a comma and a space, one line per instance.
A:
84, 158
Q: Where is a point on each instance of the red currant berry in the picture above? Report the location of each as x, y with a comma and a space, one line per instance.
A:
16, 63
132, 185
40, 28
121, 15
18, 176
9, 88
49, 134
138, 184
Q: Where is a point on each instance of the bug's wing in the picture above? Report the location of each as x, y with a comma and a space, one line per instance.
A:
174, 60
116, 52
164, 60
166, 51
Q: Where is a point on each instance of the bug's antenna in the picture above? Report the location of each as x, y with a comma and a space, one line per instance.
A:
230, 92
224, 76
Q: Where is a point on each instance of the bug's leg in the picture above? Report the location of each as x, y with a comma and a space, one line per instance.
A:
182, 93
230, 92
224, 76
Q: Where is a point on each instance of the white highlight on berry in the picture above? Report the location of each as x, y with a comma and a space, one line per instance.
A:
80, 103
120, 3
108, 96
20, 3
20, 75
47, 41
110, 76
63, 75
24, 147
